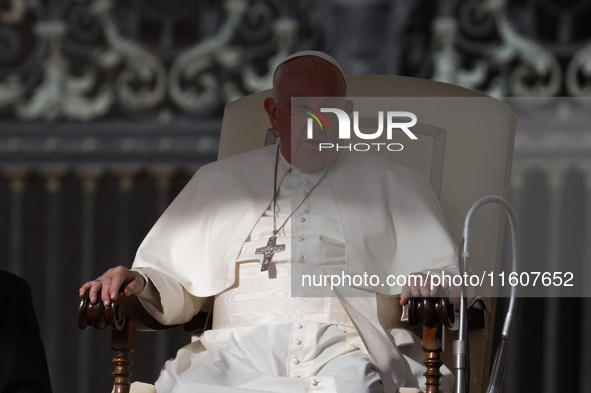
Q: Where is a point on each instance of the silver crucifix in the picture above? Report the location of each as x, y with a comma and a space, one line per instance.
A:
268, 251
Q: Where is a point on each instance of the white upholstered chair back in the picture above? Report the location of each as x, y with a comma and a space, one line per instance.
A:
471, 148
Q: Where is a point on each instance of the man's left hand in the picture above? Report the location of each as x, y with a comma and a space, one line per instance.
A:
413, 289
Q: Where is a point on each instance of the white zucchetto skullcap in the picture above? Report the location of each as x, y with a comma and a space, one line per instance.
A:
313, 53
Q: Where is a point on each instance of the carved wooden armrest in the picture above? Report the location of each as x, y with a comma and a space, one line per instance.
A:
125, 316
433, 314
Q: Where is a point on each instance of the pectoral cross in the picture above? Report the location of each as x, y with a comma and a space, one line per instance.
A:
268, 251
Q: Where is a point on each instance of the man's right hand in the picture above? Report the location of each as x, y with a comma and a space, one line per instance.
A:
111, 283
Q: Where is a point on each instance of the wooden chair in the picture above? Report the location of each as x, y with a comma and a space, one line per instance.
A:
466, 153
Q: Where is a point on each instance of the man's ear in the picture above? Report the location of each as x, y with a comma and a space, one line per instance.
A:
271, 108
348, 106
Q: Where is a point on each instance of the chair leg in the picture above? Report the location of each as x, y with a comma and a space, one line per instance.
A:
432, 346
123, 343
433, 314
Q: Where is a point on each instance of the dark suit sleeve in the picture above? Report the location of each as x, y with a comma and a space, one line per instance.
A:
23, 365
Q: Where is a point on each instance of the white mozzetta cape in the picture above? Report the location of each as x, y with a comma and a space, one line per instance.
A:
391, 219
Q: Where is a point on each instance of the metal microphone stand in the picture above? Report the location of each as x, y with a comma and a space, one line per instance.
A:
461, 345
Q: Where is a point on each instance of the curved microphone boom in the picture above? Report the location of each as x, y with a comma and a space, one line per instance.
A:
460, 345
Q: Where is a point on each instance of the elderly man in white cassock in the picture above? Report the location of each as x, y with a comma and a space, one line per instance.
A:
243, 224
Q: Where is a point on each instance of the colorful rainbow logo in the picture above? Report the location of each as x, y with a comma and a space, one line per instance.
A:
315, 114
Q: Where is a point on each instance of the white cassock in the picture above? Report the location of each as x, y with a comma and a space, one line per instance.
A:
366, 216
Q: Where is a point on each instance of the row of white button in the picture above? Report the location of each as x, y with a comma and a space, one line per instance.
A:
297, 341
295, 360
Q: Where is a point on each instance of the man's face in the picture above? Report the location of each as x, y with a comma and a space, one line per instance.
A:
322, 83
